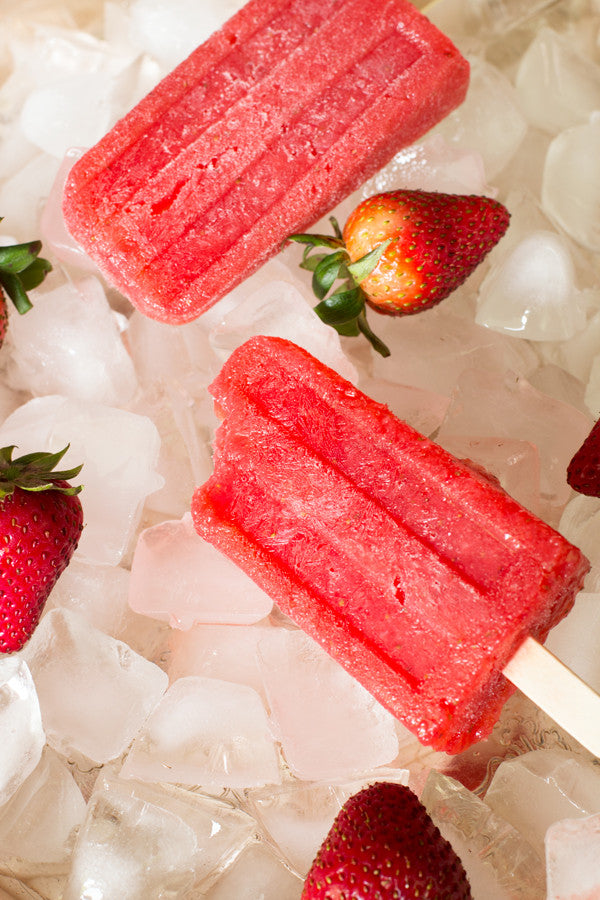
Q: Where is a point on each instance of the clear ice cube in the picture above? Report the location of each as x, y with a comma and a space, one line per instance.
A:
572, 855
571, 182
226, 652
556, 784
119, 452
257, 873
298, 815
140, 841
557, 86
21, 727
499, 863
310, 695
70, 343
179, 578
532, 293
94, 691
39, 823
205, 732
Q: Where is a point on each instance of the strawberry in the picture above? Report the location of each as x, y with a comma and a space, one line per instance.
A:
401, 252
21, 270
41, 520
384, 846
583, 472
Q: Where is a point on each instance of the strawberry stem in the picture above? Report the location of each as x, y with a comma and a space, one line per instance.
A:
375, 342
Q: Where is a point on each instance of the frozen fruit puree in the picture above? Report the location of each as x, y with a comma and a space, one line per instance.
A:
266, 126
415, 571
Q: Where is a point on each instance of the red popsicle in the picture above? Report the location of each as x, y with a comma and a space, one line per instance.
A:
417, 573
264, 128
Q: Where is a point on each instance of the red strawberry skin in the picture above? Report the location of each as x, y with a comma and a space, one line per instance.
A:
437, 240
583, 472
384, 846
39, 531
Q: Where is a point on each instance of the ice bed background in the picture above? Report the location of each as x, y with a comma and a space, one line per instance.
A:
166, 733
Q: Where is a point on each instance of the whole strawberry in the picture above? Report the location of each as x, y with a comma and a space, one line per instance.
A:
384, 846
401, 252
41, 520
21, 270
583, 472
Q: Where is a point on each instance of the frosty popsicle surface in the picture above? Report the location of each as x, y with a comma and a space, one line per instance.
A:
415, 571
264, 128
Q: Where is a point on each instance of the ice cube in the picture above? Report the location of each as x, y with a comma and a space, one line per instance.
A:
297, 815
70, 343
500, 864
40, 822
432, 165
424, 410
328, 724
572, 854
257, 873
433, 349
557, 785
94, 691
225, 652
119, 451
23, 736
207, 732
24, 193
516, 464
130, 848
580, 524
179, 578
575, 640
279, 309
76, 89
532, 292
507, 406
53, 230
490, 118
557, 86
571, 182
147, 840
98, 593
170, 33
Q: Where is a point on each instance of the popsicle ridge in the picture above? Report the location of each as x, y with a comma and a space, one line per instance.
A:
418, 574
259, 132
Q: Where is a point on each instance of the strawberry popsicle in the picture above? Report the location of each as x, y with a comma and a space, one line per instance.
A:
266, 126
416, 572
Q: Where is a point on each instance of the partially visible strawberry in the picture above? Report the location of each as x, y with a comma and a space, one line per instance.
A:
41, 520
384, 846
401, 252
21, 270
583, 472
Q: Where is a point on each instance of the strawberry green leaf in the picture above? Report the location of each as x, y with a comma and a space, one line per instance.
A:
21, 270
33, 276
35, 472
17, 257
310, 263
326, 273
348, 329
363, 267
341, 306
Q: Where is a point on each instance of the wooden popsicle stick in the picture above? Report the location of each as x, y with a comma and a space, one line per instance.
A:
557, 690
